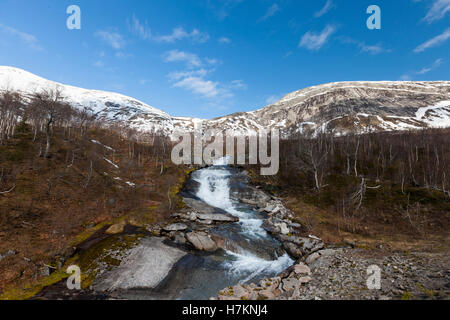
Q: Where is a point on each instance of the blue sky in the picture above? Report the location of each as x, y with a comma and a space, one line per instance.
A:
208, 58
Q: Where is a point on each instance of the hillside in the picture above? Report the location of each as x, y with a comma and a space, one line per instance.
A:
340, 107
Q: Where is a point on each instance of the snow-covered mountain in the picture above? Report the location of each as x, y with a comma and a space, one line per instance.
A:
108, 106
336, 107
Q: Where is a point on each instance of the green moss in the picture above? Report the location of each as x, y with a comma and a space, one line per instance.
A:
407, 295
101, 253
30, 290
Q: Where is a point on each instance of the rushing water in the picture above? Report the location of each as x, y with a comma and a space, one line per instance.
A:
256, 255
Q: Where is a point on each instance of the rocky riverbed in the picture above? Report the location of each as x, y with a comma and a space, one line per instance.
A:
232, 241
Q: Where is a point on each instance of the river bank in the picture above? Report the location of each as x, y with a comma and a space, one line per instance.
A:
232, 241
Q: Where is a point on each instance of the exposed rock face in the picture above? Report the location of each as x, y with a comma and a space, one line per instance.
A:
350, 107
201, 241
175, 227
116, 228
217, 217
145, 267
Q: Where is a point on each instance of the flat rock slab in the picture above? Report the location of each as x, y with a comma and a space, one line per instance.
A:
218, 217
175, 227
201, 241
144, 266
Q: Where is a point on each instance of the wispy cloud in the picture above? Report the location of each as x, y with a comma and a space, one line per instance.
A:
180, 34
224, 40
111, 38
271, 11
409, 76
365, 48
327, 7
314, 41
222, 8
29, 39
140, 28
437, 11
143, 31
434, 42
191, 59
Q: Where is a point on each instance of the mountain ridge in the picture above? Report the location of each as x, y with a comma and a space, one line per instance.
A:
338, 107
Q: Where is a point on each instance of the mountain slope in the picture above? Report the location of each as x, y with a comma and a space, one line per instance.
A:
108, 106
340, 107
347, 106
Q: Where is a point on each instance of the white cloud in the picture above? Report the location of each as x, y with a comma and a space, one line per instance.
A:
26, 38
224, 40
436, 41
238, 84
191, 59
409, 76
139, 28
197, 85
180, 34
271, 11
435, 65
315, 41
113, 39
327, 7
438, 10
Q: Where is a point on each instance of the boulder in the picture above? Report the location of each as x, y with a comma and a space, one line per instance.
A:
175, 227
284, 228
290, 284
302, 269
312, 257
116, 228
201, 241
217, 217
305, 280
293, 249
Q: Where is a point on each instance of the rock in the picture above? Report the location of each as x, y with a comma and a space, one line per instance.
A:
284, 229
306, 245
205, 222
146, 266
302, 269
293, 250
192, 216
266, 295
290, 284
116, 228
327, 252
7, 254
175, 227
312, 257
305, 280
270, 227
45, 271
201, 241
217, 217
179, 238
269, 208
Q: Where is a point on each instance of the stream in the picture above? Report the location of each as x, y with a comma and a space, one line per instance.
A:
254, 255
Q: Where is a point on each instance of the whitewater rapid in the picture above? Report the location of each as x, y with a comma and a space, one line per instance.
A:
214, 189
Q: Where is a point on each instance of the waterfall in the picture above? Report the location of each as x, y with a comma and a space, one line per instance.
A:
214, 190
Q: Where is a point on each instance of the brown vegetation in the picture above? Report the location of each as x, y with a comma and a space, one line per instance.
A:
378, 188
61, 173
